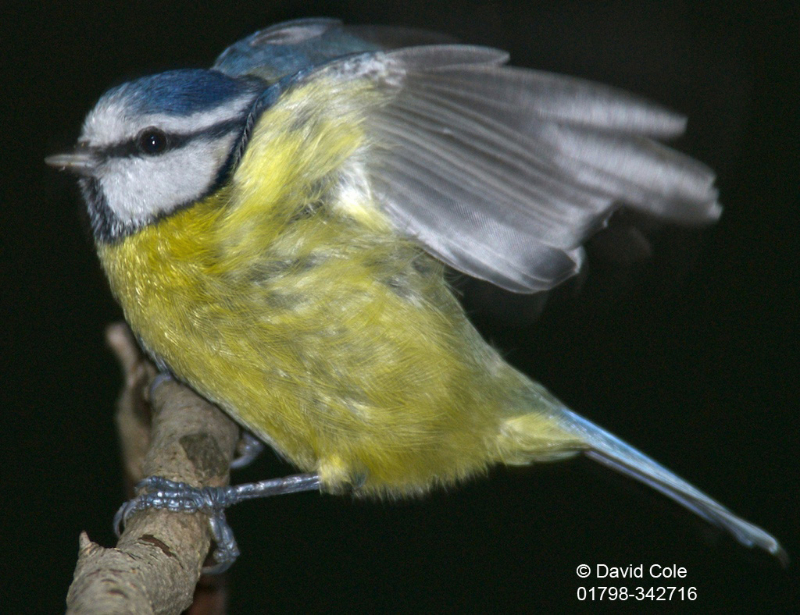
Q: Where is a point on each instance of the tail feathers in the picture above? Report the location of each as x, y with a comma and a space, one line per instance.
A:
609, 450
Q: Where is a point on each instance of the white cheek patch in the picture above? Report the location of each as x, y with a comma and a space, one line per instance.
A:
137, 189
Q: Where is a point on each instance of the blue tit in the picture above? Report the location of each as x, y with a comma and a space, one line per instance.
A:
277, 230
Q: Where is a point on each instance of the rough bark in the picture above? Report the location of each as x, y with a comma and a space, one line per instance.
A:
157, 562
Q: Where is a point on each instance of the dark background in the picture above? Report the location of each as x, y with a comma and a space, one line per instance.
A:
693, 358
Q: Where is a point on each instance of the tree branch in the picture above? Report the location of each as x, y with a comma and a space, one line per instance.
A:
157, 561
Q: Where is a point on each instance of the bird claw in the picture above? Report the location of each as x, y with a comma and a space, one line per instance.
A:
249, 449
227, 550
162, 494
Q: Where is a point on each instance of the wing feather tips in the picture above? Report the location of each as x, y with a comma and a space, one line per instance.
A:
637, 172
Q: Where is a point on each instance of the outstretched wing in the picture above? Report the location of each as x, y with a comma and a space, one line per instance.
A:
503, 173
500, 172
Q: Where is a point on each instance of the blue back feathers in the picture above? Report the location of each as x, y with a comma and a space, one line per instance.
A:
291, 47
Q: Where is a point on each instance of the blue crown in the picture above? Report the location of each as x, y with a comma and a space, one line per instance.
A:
181, 92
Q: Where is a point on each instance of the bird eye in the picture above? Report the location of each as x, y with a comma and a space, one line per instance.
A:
151, 141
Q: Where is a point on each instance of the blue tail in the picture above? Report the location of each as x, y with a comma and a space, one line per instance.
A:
616, 454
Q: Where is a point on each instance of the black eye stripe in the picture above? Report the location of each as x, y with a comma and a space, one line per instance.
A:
175, 140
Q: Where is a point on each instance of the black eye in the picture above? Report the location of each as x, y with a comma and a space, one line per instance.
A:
152, 141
